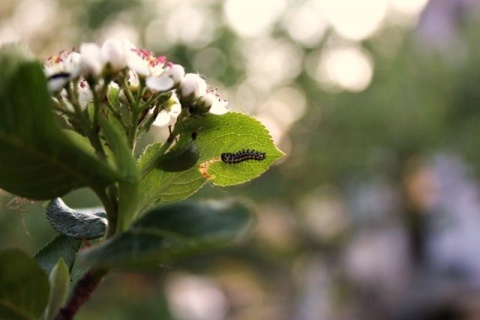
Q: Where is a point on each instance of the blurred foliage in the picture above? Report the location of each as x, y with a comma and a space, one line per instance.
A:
422, 99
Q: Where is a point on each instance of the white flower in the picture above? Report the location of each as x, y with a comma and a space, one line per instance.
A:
116, 53
176, 72
171, 111
192, 87
145, 64
55, 64
219, 107
91, 59
211, 101
73, 63
137, 64
61, 69
165, 79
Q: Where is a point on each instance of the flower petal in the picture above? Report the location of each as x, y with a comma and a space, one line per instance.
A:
92, 61
219, 107
58, 81
162, 83
115, 52
162, 119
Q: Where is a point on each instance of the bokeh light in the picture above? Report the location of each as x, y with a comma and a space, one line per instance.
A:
195, 298
251, 18
355, 20
346, 67
306, 24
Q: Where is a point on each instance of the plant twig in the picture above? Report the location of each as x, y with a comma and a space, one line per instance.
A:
81, 293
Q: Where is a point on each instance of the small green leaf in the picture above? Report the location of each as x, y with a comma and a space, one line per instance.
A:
37, 160
59, 284
183, 157
75, 224
61, 247
24, 286
171, 232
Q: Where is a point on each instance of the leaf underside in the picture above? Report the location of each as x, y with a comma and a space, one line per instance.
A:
167, 233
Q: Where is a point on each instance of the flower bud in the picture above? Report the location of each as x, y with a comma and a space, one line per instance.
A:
84, 94
114, 52
73, 64
177, 73
204, 103
192, 87
91, 59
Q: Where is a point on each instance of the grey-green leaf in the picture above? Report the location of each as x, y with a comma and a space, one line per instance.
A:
73, 223
24, 287
171, 232
61, 247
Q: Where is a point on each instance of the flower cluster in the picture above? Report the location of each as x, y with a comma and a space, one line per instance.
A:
150, 87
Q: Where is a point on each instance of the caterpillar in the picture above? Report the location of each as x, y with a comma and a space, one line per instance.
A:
243, 155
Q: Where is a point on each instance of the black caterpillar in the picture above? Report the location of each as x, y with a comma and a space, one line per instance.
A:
242, 155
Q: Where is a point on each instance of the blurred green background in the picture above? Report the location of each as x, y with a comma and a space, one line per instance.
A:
375, 211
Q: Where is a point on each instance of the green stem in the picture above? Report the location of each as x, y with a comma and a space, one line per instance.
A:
95, 129
116, 114
109, 201
133, 103
73, 95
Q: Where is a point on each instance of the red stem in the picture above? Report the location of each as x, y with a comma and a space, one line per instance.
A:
83, 289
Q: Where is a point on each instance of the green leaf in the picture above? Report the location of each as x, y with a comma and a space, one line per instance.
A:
171, 232
60, 247
160, 186
232, 132
24, 286
37, 160
75, 224
59, 284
